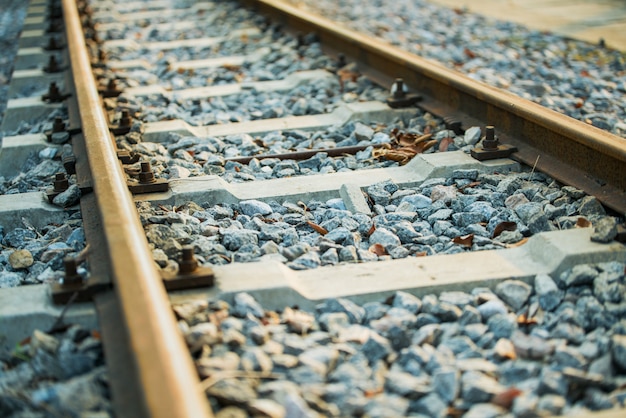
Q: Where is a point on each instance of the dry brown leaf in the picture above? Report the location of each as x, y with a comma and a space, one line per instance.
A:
583, 223
319, 229
371, 230
231, 67
469, 53
465, 240
370, 393
505, 399
348, 75
378, 249
445, 143
504, 226
523, 319
421, 254
469, 185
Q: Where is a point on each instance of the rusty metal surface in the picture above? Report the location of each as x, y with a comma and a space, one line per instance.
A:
170, 386
598, 154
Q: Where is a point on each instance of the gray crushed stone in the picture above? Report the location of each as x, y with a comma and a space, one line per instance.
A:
405, 356
55, 374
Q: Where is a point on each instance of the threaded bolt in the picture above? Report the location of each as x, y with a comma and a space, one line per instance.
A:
58, 125
54, 94
188, 263
398, 89
341, 60
53, 44
490, 142
71, 271
61, 183
146, 175
53, 65
125, 119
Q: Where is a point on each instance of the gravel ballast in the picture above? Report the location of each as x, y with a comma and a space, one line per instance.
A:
552, 346
582, 80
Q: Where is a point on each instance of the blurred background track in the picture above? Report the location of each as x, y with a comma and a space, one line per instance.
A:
587, 20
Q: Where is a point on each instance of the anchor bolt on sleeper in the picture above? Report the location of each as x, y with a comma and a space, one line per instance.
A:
490, 147
53, 44
146, 176
59, 185
188, 263
54, 95
72, 277
399, 95
53, 65
58, 134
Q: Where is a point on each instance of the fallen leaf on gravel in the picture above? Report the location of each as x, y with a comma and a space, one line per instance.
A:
319, 229
504, 226
523, 319
465, 240
505, 399
470, 185
404, 146
370, 393
583, 223
378, 249
372, 230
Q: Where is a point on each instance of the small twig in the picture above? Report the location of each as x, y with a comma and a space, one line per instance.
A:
57, 324
533, 170
82, 255
230, 374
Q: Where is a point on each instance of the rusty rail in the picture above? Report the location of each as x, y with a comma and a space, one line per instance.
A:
570, 151
168, 381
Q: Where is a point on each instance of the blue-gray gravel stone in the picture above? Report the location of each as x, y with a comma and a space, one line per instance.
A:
514, 292
550, 296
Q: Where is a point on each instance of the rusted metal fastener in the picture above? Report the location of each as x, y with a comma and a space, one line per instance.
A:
147, 182
124, 124
71, 278
53, 65
454, 125
54, 95
146, 176
190, 274
341, 60
400, 96
188, 263
54, 12
127, 157
491, 148
58, 134
53, 44
59, 185
69, 163
54, 26
111, 90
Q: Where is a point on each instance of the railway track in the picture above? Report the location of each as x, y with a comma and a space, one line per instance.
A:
385, 214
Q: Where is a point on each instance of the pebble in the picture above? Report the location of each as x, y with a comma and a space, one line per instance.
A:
32, 256
21, 259
350, 357
50, 370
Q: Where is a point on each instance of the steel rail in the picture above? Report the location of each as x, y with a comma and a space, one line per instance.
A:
170, 385
571, 151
